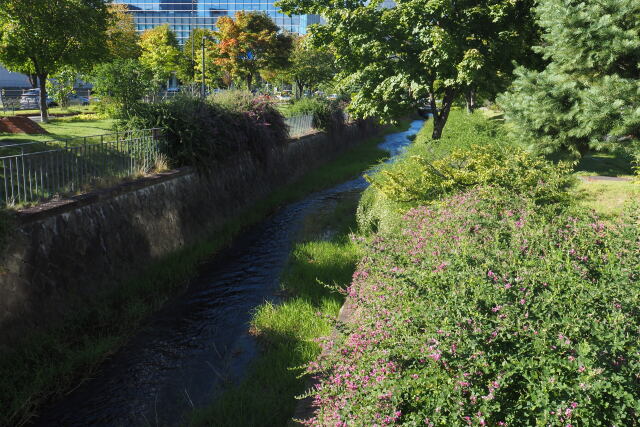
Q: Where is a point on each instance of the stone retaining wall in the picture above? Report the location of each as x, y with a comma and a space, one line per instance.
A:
86, 244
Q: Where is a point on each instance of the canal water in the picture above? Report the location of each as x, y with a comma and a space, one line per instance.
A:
199, 343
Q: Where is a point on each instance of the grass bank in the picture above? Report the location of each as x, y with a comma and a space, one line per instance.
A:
286, 331
47, 364
63, 128
490, 297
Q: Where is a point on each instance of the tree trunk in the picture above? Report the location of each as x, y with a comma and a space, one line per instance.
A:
33, 80
300, 87
440, 117
470, 98
44, 113
249, 81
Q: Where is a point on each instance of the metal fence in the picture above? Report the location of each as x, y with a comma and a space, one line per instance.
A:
300, 125
40, 170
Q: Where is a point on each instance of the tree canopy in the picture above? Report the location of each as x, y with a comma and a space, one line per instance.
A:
122, 37
250, 43
588, 96
160, 53
191, 65
419, 50
310, 65
43, 38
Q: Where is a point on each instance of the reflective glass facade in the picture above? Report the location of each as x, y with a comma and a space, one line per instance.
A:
183, 15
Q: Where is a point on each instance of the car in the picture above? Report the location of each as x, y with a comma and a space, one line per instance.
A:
285, 95
31, 100
75, 99
332, 97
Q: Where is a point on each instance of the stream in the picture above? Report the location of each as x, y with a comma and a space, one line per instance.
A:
193, 348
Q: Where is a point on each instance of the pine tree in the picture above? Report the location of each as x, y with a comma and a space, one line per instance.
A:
588, 96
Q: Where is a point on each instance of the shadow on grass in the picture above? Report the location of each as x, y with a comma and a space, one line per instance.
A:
607, 164
287, 331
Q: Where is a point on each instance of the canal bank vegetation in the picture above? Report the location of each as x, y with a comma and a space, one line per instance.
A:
46, 364
288, 330
487, 294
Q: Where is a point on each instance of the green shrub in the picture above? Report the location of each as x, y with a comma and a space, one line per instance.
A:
202, 133
121, 84
419, 180
488, 310
474, 151
327, 115
233, 100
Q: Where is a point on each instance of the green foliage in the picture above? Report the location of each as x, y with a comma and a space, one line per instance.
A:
395, 58
250, 43
587, 97
122, 38
160, 53
233, 99
327, 115
191, 67
201, 133
61, 85
486, 310
421, 180
121, 84
310, 66
41, 39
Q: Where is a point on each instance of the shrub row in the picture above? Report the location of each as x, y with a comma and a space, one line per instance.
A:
202, 132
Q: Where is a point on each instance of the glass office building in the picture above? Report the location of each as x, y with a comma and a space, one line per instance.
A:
184, 15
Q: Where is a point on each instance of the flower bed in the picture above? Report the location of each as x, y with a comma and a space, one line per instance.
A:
490, 310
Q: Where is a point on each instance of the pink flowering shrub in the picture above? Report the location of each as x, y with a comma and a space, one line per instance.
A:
489, 310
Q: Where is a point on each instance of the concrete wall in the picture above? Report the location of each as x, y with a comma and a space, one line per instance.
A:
91, 242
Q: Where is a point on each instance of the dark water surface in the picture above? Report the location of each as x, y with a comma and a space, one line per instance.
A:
199, 343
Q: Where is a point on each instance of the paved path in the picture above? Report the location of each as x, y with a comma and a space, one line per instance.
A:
604, 178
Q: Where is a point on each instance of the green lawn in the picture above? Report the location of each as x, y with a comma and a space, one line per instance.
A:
52, 110
62, 129
607, 198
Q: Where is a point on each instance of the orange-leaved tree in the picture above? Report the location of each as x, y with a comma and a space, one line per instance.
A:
250, 43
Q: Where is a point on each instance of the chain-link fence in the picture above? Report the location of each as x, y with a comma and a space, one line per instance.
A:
37, 171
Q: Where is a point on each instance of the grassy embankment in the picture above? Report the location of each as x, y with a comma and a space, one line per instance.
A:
64, 128
287, 330
495, 298
48, 363
606, 197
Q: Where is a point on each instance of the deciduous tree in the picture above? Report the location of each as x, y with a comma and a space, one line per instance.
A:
160, 53
250, 43
61, 85
310, 65
122, 83
191, 64
418, 50
41, 37
122, 37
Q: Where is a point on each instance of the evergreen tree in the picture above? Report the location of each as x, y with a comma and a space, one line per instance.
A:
588, 96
